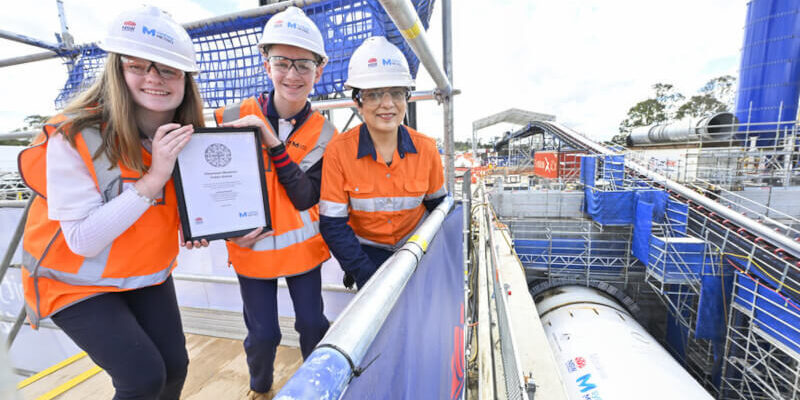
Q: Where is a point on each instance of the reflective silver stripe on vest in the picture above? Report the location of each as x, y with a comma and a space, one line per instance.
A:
277, 242
385, 203
313, 156
332, 209
32, 316
231, 112
109, 177
91, 273
435, 195
132, 282
395, 246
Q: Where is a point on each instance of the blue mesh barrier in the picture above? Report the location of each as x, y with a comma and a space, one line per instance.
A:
231, 66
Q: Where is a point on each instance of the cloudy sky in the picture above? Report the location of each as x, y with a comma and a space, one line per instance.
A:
585, 61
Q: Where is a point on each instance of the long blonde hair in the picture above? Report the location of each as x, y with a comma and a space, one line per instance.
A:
108, 106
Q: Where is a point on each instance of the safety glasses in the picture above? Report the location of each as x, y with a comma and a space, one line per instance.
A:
284, 64
138, 66
373, 97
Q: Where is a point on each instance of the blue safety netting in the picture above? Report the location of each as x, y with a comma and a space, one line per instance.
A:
419, 351
231, 66
775, 314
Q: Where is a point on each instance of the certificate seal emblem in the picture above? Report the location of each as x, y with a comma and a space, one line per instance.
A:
218, 155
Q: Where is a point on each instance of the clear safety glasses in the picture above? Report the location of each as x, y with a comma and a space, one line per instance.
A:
138, 66
373, 97
284, 64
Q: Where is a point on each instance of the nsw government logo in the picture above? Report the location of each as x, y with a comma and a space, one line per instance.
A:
218, 155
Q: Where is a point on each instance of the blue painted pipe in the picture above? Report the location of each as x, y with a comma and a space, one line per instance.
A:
770, 70
324, 375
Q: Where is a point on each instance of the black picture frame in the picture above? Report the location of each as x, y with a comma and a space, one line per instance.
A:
179, 176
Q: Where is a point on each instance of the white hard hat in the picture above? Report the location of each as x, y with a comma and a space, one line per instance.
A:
377, 63
150, 33
292, 27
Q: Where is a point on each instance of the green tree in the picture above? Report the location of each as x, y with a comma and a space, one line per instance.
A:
715, 96
657, 109
32, 123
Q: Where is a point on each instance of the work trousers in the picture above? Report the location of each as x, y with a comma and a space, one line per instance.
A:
136, 336
260, 303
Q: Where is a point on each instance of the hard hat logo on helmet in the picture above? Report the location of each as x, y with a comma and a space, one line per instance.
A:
160, 38
292, 27
158, 34
376, 63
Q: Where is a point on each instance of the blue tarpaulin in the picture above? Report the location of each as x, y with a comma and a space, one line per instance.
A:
610, 207
642, 228
677, 215
614, 169
650, 207
588, 170
677, 260
568, 253
776, 315
419, 351
713, 307
656, 197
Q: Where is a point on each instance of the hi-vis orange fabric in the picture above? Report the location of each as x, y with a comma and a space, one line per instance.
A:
384, 203
295, 245
54, 277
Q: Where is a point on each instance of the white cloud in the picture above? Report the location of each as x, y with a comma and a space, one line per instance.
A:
586, 61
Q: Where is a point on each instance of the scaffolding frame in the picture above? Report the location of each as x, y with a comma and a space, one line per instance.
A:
758, 364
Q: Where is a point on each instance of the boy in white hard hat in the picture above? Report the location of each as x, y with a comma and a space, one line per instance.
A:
381, 176
295, 138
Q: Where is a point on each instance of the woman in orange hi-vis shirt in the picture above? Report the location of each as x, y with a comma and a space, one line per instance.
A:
380, 177
101, 237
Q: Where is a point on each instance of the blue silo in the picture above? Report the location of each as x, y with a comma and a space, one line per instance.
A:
769, 77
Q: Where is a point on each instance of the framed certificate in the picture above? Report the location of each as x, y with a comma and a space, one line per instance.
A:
220, 184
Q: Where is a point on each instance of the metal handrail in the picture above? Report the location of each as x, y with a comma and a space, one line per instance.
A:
340, 353
750, 224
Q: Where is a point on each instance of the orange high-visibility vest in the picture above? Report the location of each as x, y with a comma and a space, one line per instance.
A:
53, 277
295, 246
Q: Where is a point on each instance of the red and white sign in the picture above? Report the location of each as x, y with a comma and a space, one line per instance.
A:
545, 164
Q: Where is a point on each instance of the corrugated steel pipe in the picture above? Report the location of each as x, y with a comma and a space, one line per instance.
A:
719, 126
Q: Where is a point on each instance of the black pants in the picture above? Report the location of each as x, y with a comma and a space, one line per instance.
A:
135, 336
260, 298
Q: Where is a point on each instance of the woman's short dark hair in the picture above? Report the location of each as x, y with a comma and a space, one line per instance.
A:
355, 96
